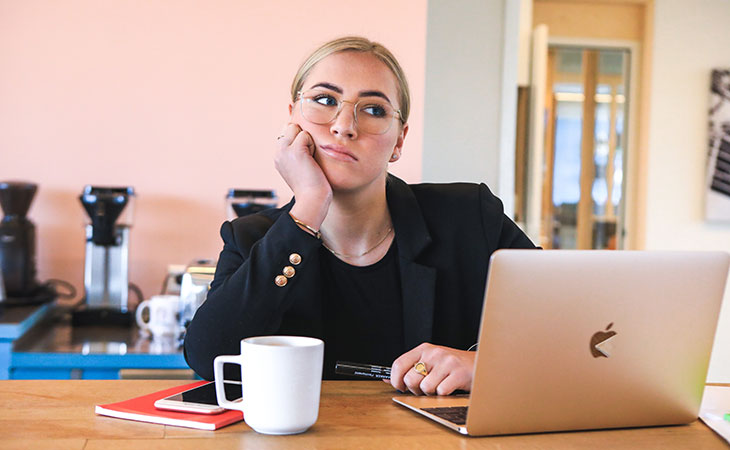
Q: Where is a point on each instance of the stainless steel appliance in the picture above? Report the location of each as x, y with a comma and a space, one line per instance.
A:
194, 288
106, 282
17, 247
2, 289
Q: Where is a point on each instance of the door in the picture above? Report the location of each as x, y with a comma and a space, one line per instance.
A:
576, 157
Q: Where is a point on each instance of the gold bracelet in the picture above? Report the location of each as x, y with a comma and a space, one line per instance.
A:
311, 230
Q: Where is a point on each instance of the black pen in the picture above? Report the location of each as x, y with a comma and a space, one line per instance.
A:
362, 370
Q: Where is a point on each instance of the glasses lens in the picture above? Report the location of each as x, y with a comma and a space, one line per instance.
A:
319, 107
372, 116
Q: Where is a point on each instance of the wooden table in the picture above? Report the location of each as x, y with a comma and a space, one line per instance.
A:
353, 414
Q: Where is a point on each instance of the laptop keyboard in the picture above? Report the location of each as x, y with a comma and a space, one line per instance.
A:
455, 414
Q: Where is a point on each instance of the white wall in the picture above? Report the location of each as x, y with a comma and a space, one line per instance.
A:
687, 45
471, 92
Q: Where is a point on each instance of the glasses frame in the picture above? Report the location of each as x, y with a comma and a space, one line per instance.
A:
301, 100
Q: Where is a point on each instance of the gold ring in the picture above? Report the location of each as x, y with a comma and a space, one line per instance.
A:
420, 368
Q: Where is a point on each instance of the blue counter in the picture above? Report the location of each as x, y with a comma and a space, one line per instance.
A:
14, 323
53, 349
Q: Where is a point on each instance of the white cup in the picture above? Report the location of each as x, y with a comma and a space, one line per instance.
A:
281, 377
164, 311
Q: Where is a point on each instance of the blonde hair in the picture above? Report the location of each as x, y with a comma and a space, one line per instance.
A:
362, 45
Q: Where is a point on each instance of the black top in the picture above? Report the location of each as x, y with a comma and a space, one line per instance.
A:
444, 234
363, 312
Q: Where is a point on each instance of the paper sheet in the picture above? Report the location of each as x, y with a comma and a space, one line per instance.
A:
715, 404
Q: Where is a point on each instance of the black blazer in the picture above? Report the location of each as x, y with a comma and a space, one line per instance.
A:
445, 234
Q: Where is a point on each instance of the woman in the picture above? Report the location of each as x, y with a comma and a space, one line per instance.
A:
384, 272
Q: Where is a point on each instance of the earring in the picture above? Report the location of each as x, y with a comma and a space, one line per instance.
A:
394, 157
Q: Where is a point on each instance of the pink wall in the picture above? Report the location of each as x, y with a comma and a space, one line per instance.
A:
180, 99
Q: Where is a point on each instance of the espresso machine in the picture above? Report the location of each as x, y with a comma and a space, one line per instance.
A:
106, 282
17, 248
242, 202
198, 275
194, 288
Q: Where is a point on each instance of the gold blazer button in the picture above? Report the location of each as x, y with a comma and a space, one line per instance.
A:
288, 271
280, 280
295, 258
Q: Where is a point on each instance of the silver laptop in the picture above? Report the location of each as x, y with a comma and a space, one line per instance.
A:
574, 340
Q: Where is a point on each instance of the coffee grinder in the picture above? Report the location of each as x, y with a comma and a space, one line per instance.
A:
17, 247
106, 265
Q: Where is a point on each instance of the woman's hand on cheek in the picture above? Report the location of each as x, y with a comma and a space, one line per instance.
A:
448, 369
295, 162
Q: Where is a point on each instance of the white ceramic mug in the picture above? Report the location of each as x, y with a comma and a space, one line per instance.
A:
281, 377
163, 316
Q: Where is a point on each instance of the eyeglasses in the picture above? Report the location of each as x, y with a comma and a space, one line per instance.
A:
372, 115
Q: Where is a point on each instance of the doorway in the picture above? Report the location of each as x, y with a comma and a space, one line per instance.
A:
586, 112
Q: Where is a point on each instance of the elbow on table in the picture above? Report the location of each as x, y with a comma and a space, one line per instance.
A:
200, 363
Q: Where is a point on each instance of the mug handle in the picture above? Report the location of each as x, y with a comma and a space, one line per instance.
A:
220, 392
138, 315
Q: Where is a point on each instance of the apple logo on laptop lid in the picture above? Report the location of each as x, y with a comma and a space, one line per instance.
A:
602, 342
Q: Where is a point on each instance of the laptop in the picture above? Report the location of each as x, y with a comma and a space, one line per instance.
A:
576, 340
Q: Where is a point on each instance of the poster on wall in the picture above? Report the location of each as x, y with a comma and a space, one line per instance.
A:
717, 206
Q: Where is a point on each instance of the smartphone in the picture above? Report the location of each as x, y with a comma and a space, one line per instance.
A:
200, 400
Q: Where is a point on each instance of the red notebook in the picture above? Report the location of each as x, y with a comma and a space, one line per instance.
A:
143, 409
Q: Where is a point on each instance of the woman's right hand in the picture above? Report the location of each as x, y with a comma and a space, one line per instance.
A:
295, 162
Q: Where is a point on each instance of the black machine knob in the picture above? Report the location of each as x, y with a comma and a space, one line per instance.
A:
248, 201
104, 206
15, 198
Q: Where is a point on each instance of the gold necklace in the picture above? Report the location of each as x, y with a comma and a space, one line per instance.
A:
344, 255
